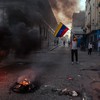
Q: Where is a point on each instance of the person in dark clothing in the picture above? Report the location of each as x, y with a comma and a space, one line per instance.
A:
64, 43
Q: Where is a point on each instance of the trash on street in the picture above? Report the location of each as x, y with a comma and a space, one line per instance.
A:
69, 78
66, 91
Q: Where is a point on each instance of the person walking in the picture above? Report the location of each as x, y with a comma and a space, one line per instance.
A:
89, 48
64, 43
57, 42
74, 50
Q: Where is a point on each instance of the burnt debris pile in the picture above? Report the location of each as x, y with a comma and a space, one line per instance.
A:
25, 86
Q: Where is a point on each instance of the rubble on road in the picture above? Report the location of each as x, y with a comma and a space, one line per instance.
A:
67, 92
60, 92
70, 78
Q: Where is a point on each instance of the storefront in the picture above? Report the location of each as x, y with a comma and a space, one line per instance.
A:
98, 37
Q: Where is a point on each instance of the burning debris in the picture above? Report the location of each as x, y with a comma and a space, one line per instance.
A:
28, 82
25, 86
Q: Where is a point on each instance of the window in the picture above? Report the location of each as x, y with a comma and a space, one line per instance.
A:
99, 4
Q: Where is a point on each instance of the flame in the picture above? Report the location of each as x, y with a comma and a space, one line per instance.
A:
25, 82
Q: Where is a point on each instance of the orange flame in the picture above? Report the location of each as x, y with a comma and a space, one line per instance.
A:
25, 82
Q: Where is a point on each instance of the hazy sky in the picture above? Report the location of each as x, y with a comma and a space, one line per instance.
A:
82, 4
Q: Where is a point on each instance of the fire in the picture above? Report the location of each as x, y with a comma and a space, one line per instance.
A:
25, 82
24, 85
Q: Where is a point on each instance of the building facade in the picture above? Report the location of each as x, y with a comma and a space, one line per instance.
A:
92, 21
78, 24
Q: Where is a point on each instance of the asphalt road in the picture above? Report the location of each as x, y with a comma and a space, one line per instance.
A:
55, 71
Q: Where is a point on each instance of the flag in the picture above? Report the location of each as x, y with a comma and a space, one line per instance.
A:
60, 30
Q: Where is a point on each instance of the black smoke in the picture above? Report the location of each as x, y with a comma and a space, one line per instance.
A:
24, 38
5, 38
25, 23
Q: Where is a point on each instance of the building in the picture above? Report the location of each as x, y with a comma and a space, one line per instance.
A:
78, 24
92, 21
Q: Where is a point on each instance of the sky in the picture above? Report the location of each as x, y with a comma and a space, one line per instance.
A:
82, 4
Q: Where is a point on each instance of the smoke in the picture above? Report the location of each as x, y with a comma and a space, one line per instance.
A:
27, 21
64, 9
31, 75
24, 36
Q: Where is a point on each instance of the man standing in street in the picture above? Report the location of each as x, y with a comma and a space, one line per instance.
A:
74, 50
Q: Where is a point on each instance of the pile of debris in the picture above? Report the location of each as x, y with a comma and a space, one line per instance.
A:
66, 92
25, 86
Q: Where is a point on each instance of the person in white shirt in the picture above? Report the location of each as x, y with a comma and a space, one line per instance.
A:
89, 48
74, 50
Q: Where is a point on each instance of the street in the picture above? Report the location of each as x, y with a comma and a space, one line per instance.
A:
54, 70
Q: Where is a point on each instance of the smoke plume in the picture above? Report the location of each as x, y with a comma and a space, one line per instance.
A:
64, 9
